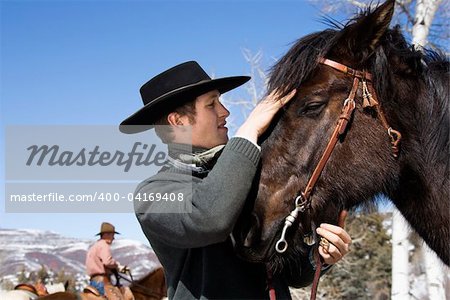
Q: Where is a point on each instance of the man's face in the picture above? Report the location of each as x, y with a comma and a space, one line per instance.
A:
209, 128
108, 237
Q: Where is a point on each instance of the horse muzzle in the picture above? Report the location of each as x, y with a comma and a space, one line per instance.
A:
247, 240
254, 244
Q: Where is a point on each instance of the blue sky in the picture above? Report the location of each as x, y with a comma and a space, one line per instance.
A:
82, 63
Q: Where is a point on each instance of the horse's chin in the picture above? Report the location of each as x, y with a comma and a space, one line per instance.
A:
289, 260
262, 252
249, 255
267, 254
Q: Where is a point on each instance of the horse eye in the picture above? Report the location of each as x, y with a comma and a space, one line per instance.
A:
311, 109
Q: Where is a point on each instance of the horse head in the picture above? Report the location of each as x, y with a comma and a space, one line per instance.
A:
362, 163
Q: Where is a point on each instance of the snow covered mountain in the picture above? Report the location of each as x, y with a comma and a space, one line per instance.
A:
29, 250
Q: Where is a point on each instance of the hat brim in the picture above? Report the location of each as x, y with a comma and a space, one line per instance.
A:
108, 232
144, 118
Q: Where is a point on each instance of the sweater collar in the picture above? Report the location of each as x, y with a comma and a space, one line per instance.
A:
197, 159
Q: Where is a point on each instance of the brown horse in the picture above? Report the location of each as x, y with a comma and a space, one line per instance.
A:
26, 291
364, 96
150, 287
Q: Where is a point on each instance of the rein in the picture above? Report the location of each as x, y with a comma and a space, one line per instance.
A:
303, 200
146, 291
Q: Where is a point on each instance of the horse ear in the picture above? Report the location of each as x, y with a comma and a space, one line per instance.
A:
362, 37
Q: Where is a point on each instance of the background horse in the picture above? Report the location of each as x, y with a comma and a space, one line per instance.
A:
24, 291
150, 287
21, 291
408, 92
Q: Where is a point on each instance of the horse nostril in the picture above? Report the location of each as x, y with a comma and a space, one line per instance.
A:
253, 234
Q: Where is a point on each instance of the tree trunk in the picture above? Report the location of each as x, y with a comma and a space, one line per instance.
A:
425, 10
434, 270
400, 257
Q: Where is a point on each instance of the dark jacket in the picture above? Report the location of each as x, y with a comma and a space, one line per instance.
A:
191, 237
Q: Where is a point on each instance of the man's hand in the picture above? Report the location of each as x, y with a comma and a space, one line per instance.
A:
337, 241
122, 269
261, 116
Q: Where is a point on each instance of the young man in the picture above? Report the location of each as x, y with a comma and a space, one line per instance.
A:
213, 174
99, 261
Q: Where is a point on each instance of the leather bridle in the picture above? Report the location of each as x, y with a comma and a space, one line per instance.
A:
303, 199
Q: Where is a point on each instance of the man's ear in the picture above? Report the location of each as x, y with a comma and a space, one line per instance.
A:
175, 119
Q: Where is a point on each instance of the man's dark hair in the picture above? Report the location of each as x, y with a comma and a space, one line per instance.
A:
162, 128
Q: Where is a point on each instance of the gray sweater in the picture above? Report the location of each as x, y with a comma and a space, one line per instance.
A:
191, 236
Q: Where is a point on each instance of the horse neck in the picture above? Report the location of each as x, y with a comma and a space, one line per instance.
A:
422, 192
422, 114
151, 286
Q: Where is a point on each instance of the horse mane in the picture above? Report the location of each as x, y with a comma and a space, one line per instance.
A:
430, 68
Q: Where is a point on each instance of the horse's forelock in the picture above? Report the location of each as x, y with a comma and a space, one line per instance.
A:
299, 62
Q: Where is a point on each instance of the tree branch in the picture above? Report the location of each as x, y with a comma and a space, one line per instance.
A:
405, 10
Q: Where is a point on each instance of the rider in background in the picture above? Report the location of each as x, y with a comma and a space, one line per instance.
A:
99, 261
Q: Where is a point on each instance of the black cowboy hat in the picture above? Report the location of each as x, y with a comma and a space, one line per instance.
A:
172, 88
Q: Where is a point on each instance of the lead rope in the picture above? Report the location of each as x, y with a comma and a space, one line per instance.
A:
272, 293
315, 283
317, 262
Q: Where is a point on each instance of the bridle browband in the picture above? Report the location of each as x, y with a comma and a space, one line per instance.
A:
303, 199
